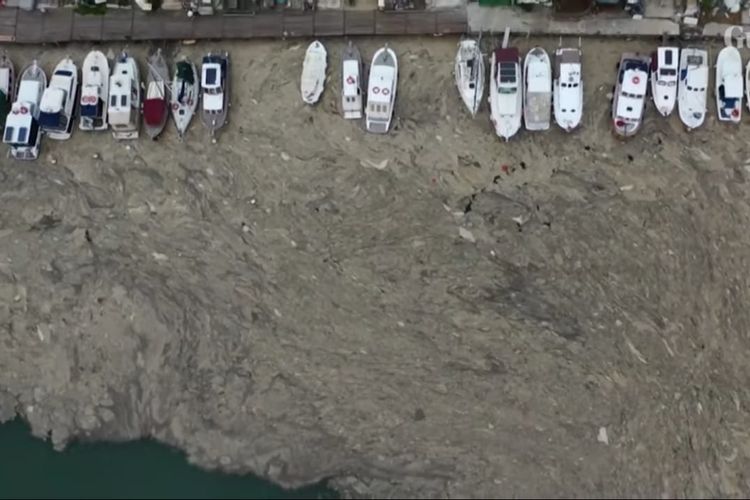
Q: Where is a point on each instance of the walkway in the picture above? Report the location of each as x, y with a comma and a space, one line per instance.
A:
64, 25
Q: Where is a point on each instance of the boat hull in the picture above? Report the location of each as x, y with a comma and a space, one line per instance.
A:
729, 85
351, 84
469, 74
381, 93
216, 119
71, 91
692, 87
184, 98
158, 75
313, 78
567, 94
95, 73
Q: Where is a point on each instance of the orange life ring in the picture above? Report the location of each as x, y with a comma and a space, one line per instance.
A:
24, 110
636, 80
376, 90
386, 91
350, 80
175, 106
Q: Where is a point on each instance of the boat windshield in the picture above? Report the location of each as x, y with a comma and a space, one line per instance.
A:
667, 72
507, 90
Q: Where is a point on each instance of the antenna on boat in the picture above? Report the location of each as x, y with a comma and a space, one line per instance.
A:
579, 43
506, 37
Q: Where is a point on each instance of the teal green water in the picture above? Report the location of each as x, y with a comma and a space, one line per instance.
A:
29, 467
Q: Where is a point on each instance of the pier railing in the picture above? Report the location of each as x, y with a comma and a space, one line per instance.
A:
65, 25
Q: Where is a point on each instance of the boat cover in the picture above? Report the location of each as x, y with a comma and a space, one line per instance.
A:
185, 72
153, 111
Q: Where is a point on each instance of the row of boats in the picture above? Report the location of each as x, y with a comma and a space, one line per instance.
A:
531, 89
104, 99
380, 94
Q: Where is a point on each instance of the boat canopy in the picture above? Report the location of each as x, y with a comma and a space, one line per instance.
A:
185, 72
731, 88
213, 102
211, 76
507, 55
153, 111
29, 91
119, 100
53, 100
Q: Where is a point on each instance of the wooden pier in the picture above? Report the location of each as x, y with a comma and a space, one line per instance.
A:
64, 25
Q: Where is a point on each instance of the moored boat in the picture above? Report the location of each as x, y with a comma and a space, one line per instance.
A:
537, 89
567, 98
692, 87
7, 87
629, 98
665, 64
313, 79
729, 85
381, 91
22, 131
155, 111
59, 100
469, 73
185, 94
124, 110
506, 95
215, 89
94, 91
351, 85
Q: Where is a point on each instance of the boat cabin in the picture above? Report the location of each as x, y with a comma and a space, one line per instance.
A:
52, 115
666, 64
569, 78
92, 105
212, 81
123, 104
352, 92
21, 126
508, 69
632, 83
379, 94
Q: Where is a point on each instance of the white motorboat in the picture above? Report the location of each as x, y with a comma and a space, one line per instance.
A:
567, 96
729, 85
629, 99
7, 87
692, 87
124, 111
665, 64
215, 91
184, 95
94, 91
469, 73
22, 131
313, 78
381, 91
155, 111
506, 94
59, 100
351, 84
537, 89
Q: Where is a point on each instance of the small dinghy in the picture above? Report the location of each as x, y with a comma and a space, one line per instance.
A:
469, 73
59, 100
155, 112
537, 89
351, 86
313, 73
7, 87
692, 88
729, 85
665, 64
94, 91
567, 96
22, 131
381, 91
124, 110
215, 90
184, 94
629, 99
